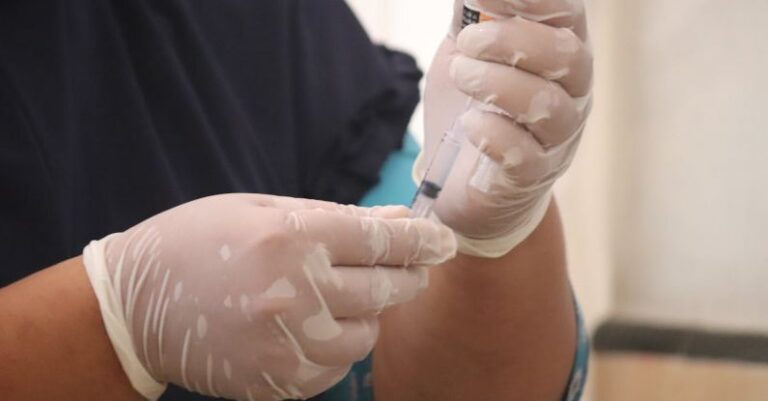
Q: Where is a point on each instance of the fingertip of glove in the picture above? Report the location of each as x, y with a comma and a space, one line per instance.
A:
450, 243
390, 212
467, 73
476, 39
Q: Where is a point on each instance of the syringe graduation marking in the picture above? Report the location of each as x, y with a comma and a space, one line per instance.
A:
469, 17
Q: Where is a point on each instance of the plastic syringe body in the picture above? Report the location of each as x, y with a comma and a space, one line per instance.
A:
441, 165
438, 171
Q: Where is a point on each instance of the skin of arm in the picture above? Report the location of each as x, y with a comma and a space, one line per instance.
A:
485, 329
53, 344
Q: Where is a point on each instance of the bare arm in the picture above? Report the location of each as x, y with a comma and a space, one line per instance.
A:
53, 345
486, 329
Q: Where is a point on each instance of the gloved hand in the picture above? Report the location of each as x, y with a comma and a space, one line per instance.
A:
530, 72
256, 297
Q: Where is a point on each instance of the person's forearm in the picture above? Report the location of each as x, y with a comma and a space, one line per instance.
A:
485, 329
53, 345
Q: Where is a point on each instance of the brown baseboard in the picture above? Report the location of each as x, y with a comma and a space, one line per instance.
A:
616, 336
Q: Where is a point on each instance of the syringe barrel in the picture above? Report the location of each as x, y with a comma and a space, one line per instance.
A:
437, 173
445, 155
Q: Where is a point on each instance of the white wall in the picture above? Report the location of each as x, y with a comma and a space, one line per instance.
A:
584, 193
415, 26
690, 168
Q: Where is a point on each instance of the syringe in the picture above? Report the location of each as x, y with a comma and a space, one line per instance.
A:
441, 165
438, 171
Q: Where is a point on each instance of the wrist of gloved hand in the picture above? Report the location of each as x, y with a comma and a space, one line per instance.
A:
500, 246
111, 307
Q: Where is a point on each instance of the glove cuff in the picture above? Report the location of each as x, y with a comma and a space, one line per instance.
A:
498, 247
112, 313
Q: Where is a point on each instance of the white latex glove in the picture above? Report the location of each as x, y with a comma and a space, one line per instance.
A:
532, 82
255, 297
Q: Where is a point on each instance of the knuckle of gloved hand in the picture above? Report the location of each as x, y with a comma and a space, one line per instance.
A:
480, 40
261, 309
279, 233
549, 110
576, 59
522, 162
521, 157
487, 135
377, 238
559, 130
497, 136
529, 170
469, 75
568, 46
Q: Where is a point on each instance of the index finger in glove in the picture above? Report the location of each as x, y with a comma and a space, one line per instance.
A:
367, 241
555, 54
558, 13
293, 204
